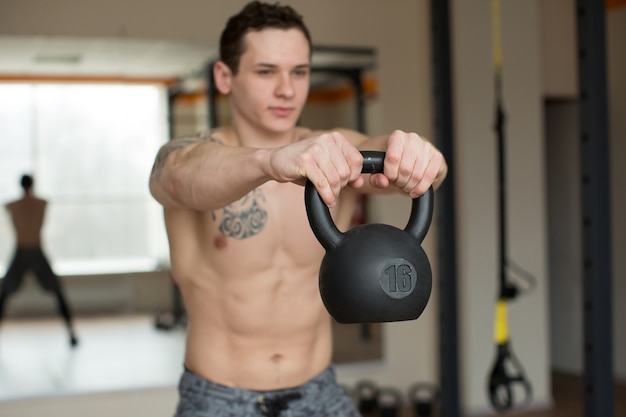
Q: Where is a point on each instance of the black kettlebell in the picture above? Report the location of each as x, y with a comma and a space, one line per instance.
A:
423, 395
390, 402
367, 396
373, 273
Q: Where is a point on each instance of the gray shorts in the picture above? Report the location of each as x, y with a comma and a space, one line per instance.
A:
320, 397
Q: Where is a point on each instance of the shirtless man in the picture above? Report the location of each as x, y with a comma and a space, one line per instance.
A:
27, 215
242, 252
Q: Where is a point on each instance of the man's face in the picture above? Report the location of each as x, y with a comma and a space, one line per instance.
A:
272, 84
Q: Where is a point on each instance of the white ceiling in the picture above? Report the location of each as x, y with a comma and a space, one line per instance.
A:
59, 56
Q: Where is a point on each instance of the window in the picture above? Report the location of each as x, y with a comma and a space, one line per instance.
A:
90, 148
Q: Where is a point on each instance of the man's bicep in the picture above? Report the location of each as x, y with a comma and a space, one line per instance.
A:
177, 145
175, 155
165, 151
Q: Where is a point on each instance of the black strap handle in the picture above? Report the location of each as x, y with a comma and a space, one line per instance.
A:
506, 373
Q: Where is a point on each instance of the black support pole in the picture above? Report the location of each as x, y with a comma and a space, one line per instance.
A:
212, 93
172, 93
444, 137
357, 81
596, 220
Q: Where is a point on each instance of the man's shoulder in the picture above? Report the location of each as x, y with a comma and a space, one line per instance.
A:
25, 202
221, 135
13, 203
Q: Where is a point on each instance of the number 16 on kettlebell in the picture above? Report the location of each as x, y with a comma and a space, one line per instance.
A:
373, 273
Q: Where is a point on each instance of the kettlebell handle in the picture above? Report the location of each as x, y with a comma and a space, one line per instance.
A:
327, 232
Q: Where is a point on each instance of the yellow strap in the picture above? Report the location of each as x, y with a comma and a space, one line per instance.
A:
501, 330
496, 36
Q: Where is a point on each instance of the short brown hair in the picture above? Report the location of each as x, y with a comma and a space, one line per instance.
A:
256, 16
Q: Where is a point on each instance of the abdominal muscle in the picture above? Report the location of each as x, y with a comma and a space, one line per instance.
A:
257, 339
255, 321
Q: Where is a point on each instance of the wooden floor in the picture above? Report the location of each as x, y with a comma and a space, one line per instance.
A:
113, 354
118, 354
568, 390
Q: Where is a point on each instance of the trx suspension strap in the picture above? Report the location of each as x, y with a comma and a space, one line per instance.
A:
507, 376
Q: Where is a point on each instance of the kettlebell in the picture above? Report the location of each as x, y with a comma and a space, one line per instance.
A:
424, 396
373, 273
390, 402
367, 395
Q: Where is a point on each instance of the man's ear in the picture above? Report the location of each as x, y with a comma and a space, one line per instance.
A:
222, 76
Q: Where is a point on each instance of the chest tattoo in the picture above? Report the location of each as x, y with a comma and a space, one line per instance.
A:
244, 218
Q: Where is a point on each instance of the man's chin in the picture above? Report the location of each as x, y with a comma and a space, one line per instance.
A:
281, 126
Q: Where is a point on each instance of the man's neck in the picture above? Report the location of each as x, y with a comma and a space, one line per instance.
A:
256, 138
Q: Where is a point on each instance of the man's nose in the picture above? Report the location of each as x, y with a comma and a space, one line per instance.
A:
285, 86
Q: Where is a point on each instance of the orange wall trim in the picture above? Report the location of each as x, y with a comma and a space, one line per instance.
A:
344, 92
319, 96
20, 78
614, 4
190, 98
325, 95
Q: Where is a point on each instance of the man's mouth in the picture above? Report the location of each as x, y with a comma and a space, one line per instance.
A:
281, 111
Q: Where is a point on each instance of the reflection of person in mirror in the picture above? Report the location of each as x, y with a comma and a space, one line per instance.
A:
259, 340
27, 215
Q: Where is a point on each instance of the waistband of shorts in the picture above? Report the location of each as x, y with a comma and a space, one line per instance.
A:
228, 393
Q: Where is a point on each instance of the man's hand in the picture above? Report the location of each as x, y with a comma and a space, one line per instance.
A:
411, 163
329, 161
